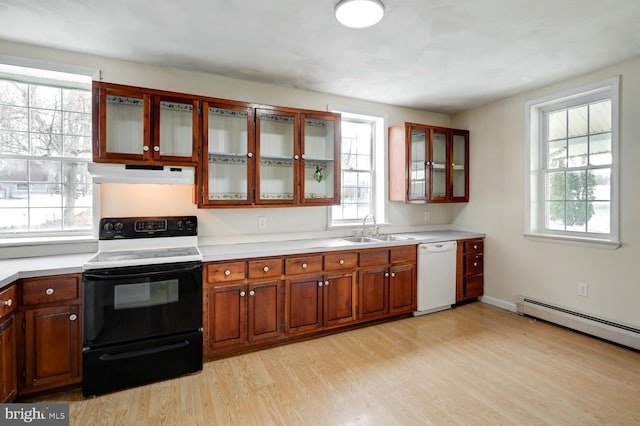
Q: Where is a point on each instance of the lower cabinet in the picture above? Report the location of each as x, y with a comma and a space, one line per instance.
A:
50, 344
8, 374
470, 273
239, 314
387, 281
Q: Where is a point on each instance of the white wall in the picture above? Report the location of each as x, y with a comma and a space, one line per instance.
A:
122, 200
546, 270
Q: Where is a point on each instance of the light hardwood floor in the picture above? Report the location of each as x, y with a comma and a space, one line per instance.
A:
475, 364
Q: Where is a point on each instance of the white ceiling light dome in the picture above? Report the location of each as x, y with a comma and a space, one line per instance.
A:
359, 13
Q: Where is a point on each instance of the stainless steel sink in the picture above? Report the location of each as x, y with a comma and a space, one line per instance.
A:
391, 237
360, 239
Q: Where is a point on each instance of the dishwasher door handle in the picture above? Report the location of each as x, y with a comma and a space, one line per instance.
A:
437, 247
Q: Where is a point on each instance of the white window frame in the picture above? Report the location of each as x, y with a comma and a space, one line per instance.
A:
535, 185
378, 156
44, 72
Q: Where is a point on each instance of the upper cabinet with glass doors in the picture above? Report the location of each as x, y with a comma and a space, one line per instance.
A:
428, 163
269, 157
136, 125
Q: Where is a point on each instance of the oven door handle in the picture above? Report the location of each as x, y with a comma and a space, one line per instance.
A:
109, 274
143, 352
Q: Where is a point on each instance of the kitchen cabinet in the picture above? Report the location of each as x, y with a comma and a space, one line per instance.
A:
8, 368
320, 301
267, 156
144, 126
50, 345
428, 164
470, 269
387, 281
241, 307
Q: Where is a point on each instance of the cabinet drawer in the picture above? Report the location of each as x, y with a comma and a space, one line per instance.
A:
50, 289
228, 271
473, 246
265, 268
374, 257
340, 261
473, 264
403, 254
301, 265
7, 301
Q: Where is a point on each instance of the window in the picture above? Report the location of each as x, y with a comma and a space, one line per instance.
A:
362, 142
45, 145
573, 158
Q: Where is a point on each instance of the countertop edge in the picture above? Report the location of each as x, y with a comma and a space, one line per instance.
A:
12, 270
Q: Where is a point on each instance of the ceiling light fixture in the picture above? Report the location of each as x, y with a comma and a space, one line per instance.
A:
359, 13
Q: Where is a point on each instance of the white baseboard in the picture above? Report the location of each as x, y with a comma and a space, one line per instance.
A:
499, 303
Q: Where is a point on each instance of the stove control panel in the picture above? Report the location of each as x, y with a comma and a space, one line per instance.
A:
148, 227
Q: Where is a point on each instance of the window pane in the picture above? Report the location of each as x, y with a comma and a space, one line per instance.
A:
77, 146
577, 152
76, 100
555, 186
14, 118
14, 220
14, 143
14, 93
46, 97
557, 124
600, 149
45, 121
578, 121
599, 220
576, 185
557, 155
555, 211
363, 162
599, 185
13, 170
45, 145
600, 117
77, 219
45, 219
45, 195
44, 171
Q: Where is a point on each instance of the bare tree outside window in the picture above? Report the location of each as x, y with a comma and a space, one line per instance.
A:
45, 145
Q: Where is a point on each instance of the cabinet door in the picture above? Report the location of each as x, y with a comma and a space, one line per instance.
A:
227, 312
52, 347
122, 131
8, 373
303, 310
175, 129
374, 297
265, 311
229, 158
402, 289
320, 156
418, 170
278, 156
439, 165
339, 300
459, 165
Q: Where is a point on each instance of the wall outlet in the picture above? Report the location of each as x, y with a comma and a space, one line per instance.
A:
262, 222
427, 215
583, 289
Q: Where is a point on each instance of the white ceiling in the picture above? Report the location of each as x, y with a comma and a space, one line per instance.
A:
438, 55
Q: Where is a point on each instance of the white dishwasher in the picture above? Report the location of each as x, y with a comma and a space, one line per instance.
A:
436, 276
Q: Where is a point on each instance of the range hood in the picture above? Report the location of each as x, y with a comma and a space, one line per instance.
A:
133, 173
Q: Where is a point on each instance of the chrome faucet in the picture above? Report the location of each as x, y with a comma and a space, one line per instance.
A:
371, 231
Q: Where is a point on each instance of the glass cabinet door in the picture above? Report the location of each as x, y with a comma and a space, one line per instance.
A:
228, 169
418, 172
122, 124
460, 157
439, 163
174, 121
320, 136
275, 147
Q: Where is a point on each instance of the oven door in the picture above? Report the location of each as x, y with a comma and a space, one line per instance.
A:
138, 302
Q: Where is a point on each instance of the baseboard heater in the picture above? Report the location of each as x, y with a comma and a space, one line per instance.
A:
604, 329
